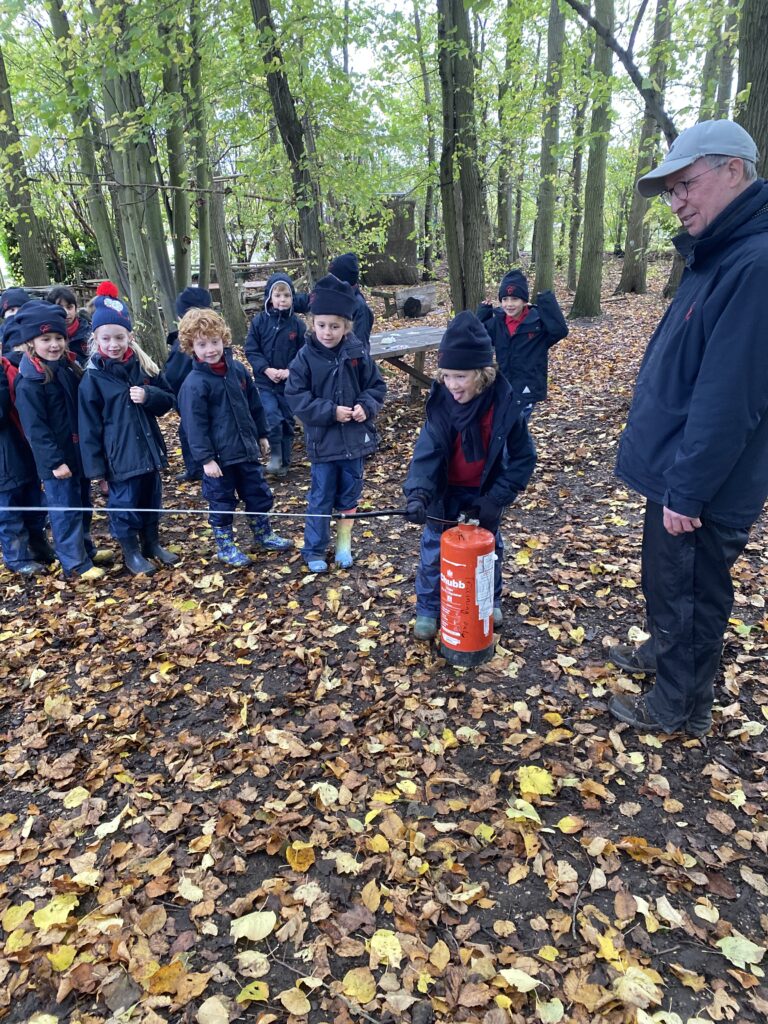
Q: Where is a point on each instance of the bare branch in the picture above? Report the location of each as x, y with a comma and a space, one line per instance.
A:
636, 27
653, 101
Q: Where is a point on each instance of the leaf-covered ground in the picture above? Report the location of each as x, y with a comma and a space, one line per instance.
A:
251, 795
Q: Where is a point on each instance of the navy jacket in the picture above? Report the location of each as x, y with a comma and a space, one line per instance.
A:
322, 378
274, 337
362, 321
178, 365
17, 466
118, 438
48, 413
523, 357
222, 414
696, 439
509, 461
78, 342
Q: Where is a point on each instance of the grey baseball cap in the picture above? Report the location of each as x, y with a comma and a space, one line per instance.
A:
707, 138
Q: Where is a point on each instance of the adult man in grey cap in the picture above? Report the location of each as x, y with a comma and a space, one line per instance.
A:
696, 440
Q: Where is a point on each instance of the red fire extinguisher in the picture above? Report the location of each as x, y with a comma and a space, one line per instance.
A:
467, 559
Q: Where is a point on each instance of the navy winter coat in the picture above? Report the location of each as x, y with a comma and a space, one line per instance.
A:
222, 414
48, 413
509, 461
322, 378
178, 365
274, 337
78, 342
362, 321
118, 438
523, 356
17, 466
696, 439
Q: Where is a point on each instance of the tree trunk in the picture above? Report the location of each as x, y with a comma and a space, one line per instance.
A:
430, 206
577, 164
514, 245
635, 266
586, 301
177, 161
753, 74
231, 307
463, 222
727, 55
505, 196
17, 190
306, 189
200, 135
545, 220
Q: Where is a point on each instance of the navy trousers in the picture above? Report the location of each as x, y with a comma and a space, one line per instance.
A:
280, 423
144, 491
456, 500
71, 531
245, 481
689, 596
334, 485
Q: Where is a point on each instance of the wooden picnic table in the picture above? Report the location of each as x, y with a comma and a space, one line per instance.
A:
391, 346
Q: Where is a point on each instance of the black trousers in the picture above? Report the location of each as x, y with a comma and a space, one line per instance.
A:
689, 596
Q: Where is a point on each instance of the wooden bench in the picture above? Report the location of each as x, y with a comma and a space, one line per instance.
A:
396, 298
391, 346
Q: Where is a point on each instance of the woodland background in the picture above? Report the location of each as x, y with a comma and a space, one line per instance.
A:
149, 141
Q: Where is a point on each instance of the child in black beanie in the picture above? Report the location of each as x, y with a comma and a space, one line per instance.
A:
473, 456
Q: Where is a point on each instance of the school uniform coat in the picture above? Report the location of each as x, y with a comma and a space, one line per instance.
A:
322, 378
78, 341
523, 356
222, 414
120, 439
178, 365
274, 338
48, 413
509, 460
362, 319
17, 465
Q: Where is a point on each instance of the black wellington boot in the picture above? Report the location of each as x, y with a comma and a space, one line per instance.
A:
151, 547
135, 562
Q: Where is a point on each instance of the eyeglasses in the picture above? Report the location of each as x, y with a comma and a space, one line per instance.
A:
680, 189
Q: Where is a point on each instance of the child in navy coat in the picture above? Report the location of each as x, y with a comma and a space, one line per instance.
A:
473, 456
274, 338
46, 400
227, 431
24, 544
336, 390
522, 335
178, 367
121, 395
347, 268
78, 326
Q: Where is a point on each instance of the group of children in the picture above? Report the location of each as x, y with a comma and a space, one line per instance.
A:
80, 402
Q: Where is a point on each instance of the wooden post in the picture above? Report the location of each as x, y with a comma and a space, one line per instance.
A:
418, 364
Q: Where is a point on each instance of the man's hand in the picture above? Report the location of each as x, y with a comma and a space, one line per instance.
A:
264, 447
676, 524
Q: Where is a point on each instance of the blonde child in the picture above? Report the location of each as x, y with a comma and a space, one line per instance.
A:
226, 431
121, 395
336, 390
472, 456
46, 400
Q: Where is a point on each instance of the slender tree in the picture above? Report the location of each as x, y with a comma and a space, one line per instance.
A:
200, 142
753, 75
544, 253
430, 204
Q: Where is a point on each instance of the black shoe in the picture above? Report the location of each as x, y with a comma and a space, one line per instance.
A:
40, 549
699, 725
634, 660
27, 568
151, 548
135, 562
634, 711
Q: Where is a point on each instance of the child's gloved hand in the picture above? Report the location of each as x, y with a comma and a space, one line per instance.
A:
486, 511
416, 509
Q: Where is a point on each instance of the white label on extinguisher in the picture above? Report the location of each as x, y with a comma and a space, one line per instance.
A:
484, 589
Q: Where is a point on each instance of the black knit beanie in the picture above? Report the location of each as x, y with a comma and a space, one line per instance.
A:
332, 297
13, 298
466, 344
36, 318
192, 298
514, 285
346, 267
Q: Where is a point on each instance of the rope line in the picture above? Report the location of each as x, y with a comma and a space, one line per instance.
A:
377, 514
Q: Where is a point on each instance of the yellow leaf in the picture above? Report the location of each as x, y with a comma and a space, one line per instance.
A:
61, 958
577, 635
371, 896
43, 1018
294, 1000
553, 717
56, 912
519, 980
15, 916
385, 946
166, 979
301, 856
521, 810
449, 739
378, 843
75, 797
189, 891
383, 797
523, 556
359, 984
571, 823
18, 939
484, 832
535, 780
440, 955
255, 926
255, 992
740, 950
108, 827
549, 953
636, 987
551, 1012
